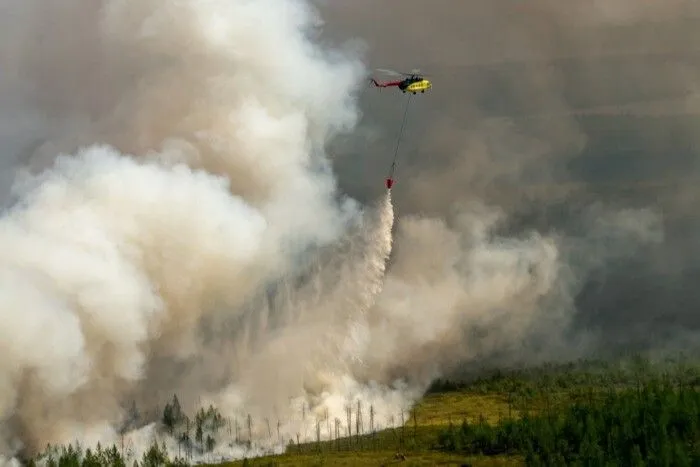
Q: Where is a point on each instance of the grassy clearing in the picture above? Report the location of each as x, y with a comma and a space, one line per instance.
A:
408, 445
483, 404
441, 409
377, 458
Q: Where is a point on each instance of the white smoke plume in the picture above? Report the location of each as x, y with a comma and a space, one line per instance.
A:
460, 293
325, 318
173, 166
175, 228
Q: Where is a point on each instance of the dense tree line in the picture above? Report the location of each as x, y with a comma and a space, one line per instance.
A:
197, 435
74, 456
656, 423
566, 376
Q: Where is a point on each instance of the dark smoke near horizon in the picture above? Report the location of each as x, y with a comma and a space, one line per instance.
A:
551, 112
177, 221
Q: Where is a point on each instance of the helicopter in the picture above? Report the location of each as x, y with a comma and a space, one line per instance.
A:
414, 82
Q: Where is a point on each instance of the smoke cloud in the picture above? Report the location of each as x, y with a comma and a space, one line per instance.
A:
169, 167
174, 221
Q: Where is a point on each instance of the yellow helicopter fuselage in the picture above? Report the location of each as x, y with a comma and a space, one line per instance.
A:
418, 86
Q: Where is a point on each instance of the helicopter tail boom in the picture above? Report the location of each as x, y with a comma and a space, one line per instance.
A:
384, 85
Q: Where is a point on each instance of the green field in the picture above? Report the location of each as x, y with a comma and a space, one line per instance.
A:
378, 458
409, 445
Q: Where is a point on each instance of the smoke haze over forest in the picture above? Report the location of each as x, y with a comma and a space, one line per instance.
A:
193, 201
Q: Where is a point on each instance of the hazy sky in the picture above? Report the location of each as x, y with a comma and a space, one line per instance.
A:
545, 110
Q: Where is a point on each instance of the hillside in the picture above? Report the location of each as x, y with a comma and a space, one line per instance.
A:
410, 443
585, 412
633, 412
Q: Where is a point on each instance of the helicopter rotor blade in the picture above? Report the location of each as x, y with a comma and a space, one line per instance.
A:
390, 72
417, 72
414, 72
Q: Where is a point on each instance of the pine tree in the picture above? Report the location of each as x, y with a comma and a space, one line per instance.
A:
154, 457
636, 459
199, 434
91, 460
177, 410
169, 418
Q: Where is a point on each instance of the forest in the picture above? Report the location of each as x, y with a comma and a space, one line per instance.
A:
631, 412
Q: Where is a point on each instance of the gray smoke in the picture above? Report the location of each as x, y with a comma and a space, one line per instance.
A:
169, 168
174, 223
